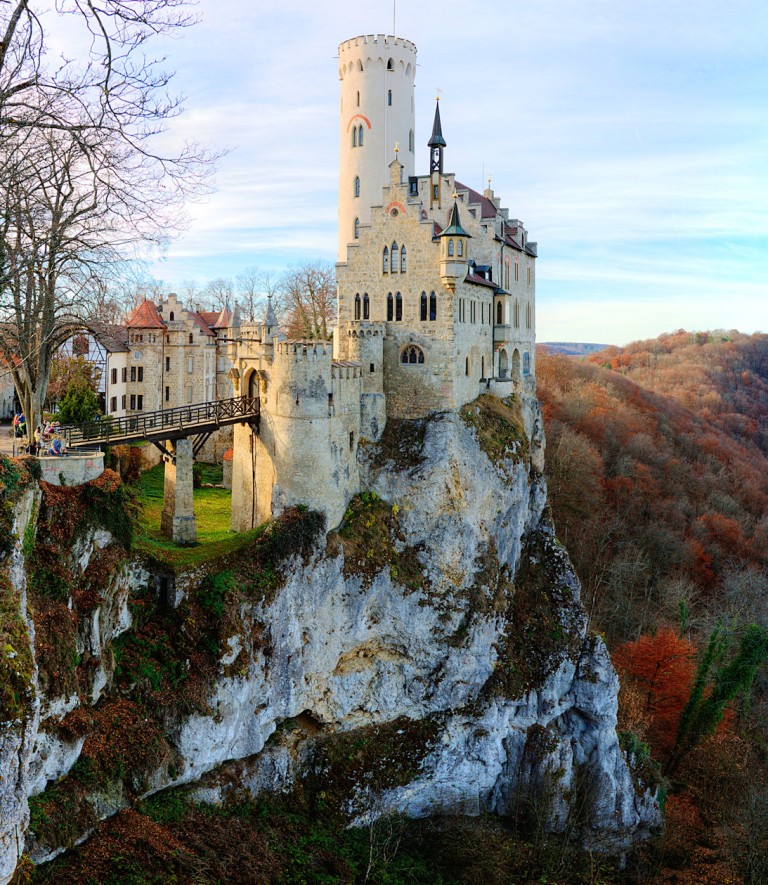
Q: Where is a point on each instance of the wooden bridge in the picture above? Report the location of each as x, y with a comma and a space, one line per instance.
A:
199, 421
179, 433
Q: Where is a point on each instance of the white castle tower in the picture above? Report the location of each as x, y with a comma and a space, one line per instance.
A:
377, 75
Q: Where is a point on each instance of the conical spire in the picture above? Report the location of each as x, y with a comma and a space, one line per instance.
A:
437, 139
454, 228
269, 317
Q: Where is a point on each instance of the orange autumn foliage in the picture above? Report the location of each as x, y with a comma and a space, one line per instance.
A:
661, 669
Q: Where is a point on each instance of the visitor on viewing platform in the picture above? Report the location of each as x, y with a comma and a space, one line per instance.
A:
57, 447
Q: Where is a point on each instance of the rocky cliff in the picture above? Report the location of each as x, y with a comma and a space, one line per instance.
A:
429, 655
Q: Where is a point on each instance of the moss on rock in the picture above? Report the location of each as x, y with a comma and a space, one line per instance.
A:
500, 431
544, 617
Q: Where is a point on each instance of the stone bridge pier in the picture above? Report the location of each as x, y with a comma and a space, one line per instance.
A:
178, 517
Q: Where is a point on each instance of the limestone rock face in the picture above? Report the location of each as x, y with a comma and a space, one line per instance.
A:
441, 621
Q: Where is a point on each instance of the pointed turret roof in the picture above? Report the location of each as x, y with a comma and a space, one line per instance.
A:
223, 319
269, 316
454, 228
437, 139
145, 316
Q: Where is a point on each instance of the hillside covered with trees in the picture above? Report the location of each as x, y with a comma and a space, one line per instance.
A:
657, 461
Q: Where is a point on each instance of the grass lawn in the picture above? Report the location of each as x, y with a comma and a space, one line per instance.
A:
213, 511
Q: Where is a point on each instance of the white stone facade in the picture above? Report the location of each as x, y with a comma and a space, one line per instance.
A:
436, 305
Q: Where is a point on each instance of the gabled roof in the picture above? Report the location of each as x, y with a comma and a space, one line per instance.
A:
209, 316
488, 210
114, 339
145, 316
479, 281
201, 323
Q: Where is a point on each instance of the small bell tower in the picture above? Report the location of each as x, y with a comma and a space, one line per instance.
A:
454, 248
436, 147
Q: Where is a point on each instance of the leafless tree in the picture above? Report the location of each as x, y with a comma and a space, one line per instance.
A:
307, 300
82, 187
254, 286
218, 293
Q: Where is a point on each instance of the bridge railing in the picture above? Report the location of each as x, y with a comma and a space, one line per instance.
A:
153, 425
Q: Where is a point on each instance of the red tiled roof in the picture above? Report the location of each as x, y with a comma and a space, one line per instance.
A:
145, 316
479, 281
200, 323
438, 229
209, 316
488, 210
223, 319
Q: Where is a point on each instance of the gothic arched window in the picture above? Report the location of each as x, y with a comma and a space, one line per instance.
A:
432, 306
398, 307
170, 317
460, 248
357, 306
423, 307
354, 136
357, 228
385, 260
412, 355
526, 363
450, 248
395, 258
366, 307
498, 313
357, 185
402, 260
390, 65
360, 135
390, 308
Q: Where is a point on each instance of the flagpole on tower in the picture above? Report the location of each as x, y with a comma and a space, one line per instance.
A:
394, 18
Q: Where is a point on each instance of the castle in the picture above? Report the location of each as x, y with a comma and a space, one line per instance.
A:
436, 305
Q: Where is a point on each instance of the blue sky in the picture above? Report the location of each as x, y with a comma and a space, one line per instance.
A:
631, 138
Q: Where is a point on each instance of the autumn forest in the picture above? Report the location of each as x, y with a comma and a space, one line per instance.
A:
657, 463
